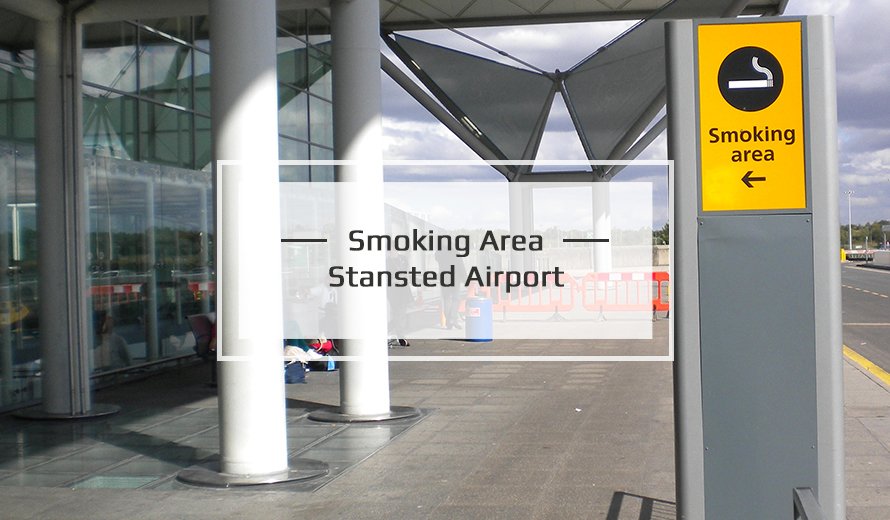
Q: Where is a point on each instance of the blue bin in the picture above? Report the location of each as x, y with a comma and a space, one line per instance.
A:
479, 319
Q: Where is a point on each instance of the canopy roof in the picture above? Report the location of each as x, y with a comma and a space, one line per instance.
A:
17, 31
421, 14
613, 96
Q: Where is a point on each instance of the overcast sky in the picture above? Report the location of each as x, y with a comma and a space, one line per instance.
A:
863, 75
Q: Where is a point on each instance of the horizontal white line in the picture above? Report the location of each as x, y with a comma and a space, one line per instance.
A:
476, 359
455, 162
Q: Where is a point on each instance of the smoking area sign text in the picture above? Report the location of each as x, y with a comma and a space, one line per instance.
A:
751, 117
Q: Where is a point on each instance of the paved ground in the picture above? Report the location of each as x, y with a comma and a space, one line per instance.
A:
866, 296
498, 440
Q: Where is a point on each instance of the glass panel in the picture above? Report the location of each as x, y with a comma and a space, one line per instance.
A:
119, 264
25, 57
165, 71
19, 347
20, 108
293, 21
109, 126
5, 77
202, 143
319, 73
5, 103
180, 28
185, 280
202, 82
321, 130
319, 27
23, 120
109, 55
149, 251
289, 149
5, 117
164, 135
23, 84
293, 116
291, 61
321, 173
202, 30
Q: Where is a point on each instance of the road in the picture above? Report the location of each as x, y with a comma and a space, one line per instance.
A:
866, 312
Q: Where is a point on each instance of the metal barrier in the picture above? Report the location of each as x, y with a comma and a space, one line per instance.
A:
806, 507
549, 298
106, 295
661, 298
597, 292
625, 291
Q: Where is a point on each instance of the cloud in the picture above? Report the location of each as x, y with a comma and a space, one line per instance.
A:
421, 140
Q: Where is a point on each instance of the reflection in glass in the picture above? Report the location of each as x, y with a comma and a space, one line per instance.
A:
164, 135
293, 115
165, 72
166, 28
202, 82
320, 71
288, 149
150, 260
321, 125
321, 173
109, 125
147, 161
19, 348
113, 64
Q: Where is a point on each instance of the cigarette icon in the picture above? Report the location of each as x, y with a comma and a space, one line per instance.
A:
754, 83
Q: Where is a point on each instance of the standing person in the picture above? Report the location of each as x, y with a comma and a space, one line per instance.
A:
451, 296
113, 349
399, 299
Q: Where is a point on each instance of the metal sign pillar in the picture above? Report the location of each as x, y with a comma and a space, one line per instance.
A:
758, 368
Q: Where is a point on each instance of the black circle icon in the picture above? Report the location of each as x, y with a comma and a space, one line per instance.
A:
750, 79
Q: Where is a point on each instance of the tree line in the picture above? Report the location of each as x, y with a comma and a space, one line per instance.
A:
871, 230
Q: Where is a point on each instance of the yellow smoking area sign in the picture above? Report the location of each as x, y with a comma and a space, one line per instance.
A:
750, 88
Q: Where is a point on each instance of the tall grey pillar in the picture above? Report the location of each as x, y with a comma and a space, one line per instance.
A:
63, 224
602, 228
253, 435
355, 40
355, 36
244, 95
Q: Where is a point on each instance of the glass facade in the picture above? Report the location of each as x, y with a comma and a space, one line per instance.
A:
147, 161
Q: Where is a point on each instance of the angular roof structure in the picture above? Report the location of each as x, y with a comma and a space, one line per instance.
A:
612, 96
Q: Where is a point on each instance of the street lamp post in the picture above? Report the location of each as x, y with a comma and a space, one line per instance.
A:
849, 194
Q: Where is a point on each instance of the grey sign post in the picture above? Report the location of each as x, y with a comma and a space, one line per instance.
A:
758, 360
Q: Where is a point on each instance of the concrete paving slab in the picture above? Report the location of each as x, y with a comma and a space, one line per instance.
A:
511, 440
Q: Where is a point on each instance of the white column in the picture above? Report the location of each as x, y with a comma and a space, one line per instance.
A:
602, 228
61, 215
355, 35
521, 208
253, 431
